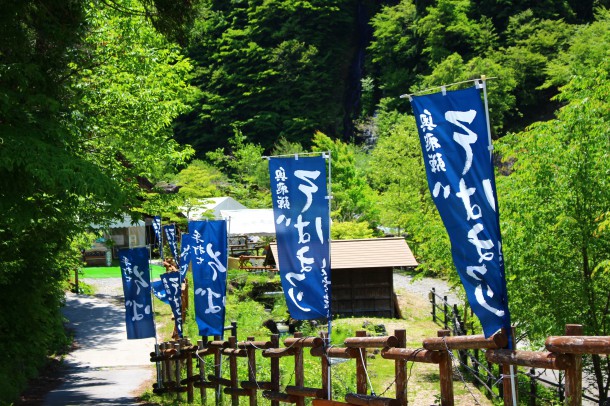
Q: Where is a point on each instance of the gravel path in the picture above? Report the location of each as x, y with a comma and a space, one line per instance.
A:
423, 286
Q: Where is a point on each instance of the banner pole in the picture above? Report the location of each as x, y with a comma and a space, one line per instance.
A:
152, 305
484, 85
511, 337
328, 339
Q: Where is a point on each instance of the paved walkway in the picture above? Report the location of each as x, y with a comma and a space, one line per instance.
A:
106, 368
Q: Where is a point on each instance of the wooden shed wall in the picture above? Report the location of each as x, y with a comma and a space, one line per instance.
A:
362, 292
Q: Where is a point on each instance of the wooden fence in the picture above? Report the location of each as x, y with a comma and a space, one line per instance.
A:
482, 370
177, 359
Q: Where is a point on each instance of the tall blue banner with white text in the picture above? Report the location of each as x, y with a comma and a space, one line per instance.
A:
156, 223
300, 209
185, 254
173, 288
170, 236
137, 289
455, 145
209, 265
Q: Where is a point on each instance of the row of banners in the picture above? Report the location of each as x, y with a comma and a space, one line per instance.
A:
456, 149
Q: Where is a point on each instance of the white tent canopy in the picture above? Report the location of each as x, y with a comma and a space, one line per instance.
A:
213, 206
250, 221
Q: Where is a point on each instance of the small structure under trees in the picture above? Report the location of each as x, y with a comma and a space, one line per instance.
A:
362, 274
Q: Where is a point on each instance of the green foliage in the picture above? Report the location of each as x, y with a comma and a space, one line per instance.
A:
87, 98
397, 171
552, 203
247, 171
346, 230
269, 69
353, 198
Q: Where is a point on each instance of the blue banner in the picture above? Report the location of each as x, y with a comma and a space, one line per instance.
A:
136, 286
159, 238
185, 254
159, 291
173, 288
300, 209
209, 266
170, 235
455, 144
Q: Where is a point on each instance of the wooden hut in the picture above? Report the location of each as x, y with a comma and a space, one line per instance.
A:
362, 274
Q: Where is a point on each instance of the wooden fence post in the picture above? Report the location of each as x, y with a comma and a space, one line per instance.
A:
400, 369
202, 392
218, 372
275, 369
326, 385
446, 373
252, 370
177, 347
573, 379
190, 396
233, 372
361, 383
299, 376
446, 313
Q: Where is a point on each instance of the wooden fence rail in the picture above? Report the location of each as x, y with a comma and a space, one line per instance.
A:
175, 359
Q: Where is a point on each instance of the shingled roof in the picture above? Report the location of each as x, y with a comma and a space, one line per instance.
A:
368, 253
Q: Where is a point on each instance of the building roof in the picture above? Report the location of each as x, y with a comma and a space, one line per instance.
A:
212, 205
250, 221
368, 253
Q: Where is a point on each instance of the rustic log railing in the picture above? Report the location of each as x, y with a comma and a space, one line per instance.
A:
562, 353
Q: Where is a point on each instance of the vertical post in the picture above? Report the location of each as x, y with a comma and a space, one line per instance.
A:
573, 385
533, 388
445, 312
202, 392
400, 369
509, 378
446, 374
275, 369
361, 367
217, 371
252, 371
234, 329
325, 372
475, 366
190, 396
433, 300
233, 372
159, 369
299, 378
177, 347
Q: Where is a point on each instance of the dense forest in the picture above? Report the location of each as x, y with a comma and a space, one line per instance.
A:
103, 101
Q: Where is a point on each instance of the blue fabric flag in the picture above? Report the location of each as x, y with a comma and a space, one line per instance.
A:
170, 235
159, 291
300, 208
455, 144
209, 266
159, 238
136, 286
173, 288
185, 254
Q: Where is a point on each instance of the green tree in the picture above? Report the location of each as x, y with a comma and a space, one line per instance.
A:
271, 69
353, 199
247, 171
552, 204
397, 171
68, 154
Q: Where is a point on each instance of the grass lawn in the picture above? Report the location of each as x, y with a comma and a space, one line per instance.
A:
115, 271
